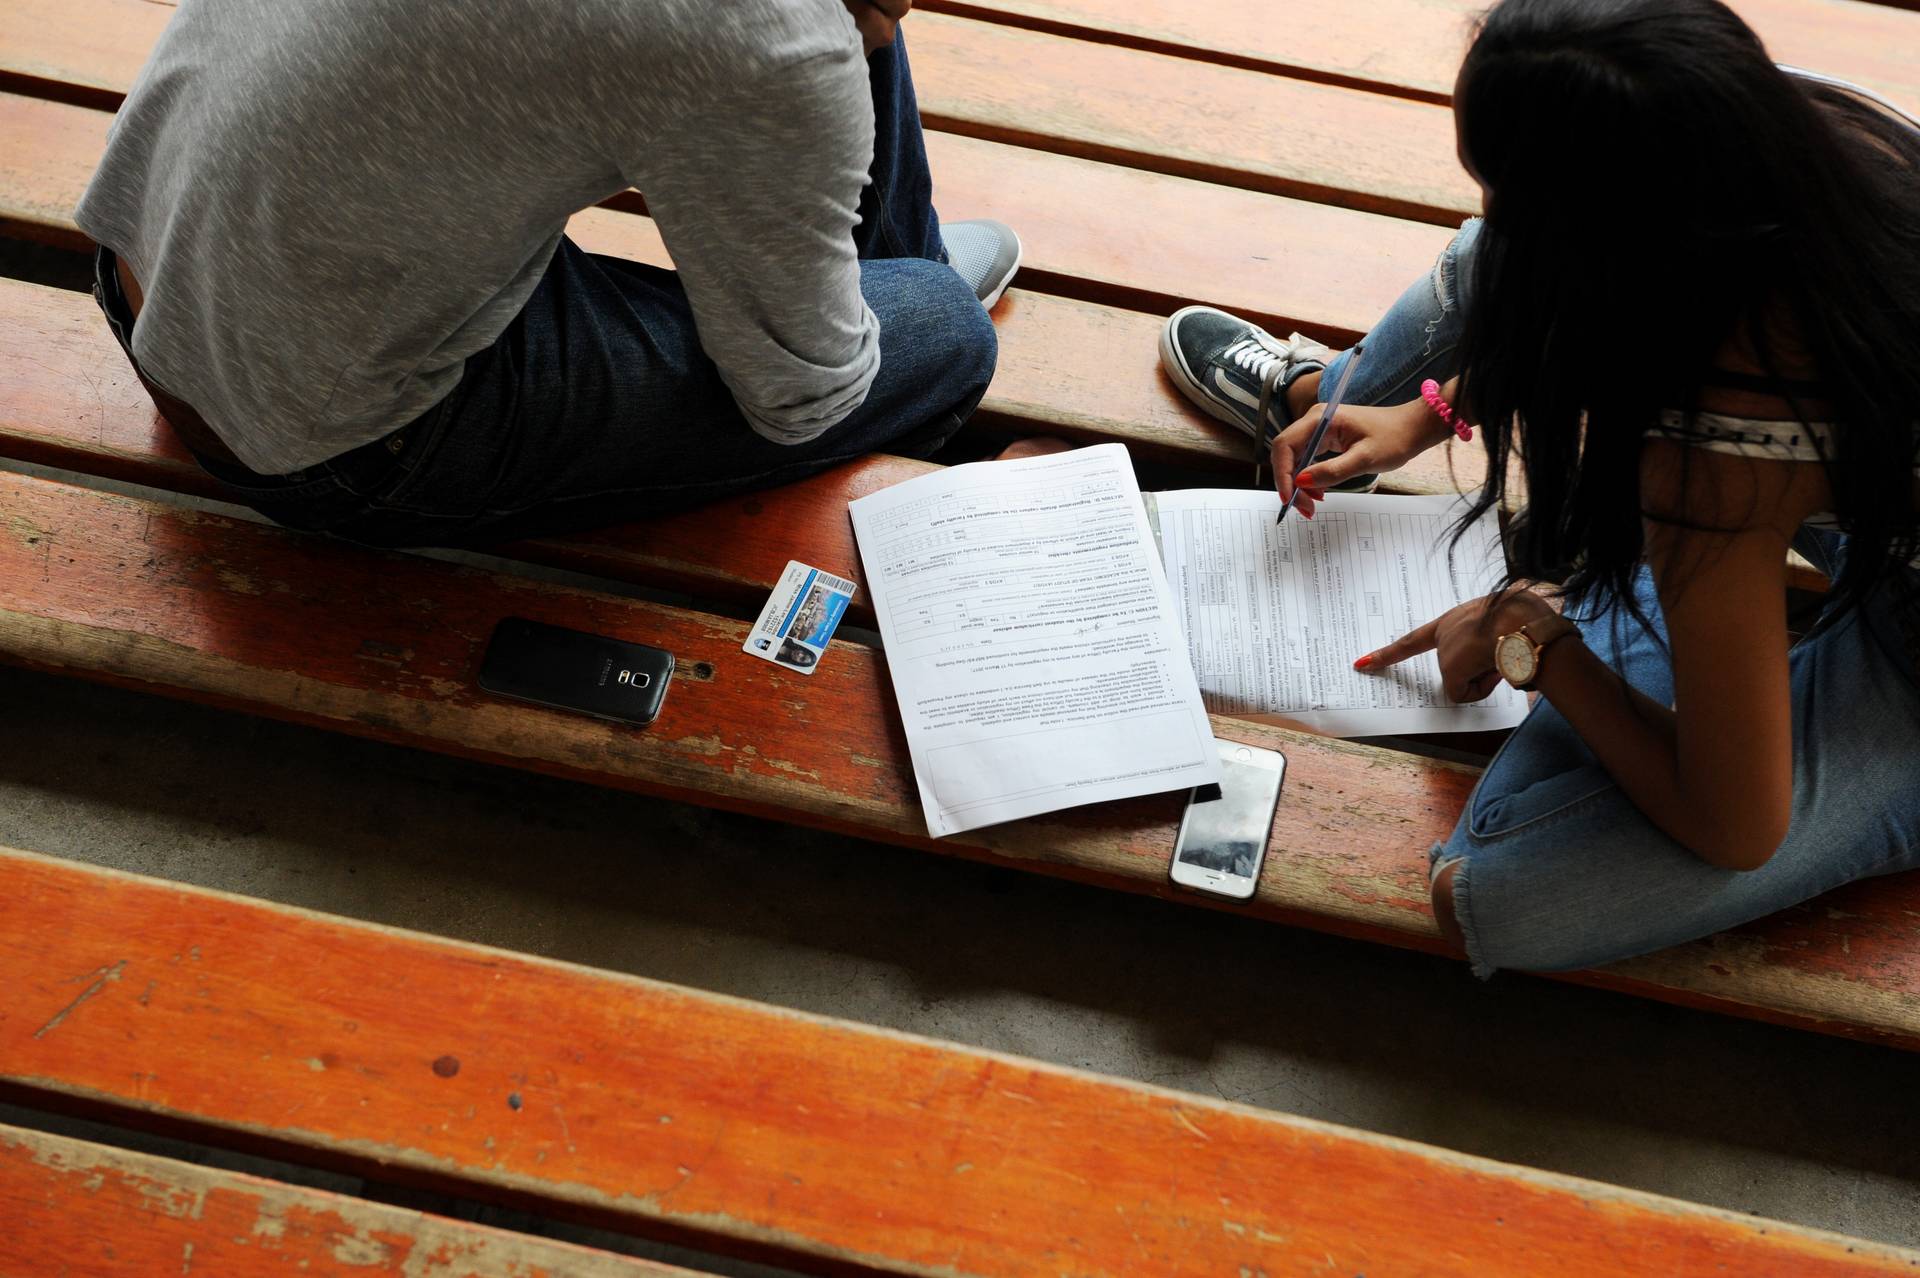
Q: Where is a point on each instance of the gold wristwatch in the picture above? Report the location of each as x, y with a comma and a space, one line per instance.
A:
1517, 655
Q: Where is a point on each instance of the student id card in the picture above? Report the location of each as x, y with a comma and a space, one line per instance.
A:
800, 617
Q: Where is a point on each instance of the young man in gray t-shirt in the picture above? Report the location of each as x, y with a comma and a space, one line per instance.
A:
332, 241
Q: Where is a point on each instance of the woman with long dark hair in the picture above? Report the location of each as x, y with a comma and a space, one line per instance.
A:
1690, 319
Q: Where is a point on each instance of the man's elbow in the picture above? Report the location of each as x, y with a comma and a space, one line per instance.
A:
804, 421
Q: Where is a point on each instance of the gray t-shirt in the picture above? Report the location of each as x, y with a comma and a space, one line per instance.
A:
330, 204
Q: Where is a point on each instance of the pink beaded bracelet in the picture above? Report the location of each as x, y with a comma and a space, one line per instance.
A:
1430, 391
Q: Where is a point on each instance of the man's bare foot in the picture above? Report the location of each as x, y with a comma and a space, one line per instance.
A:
1039, 446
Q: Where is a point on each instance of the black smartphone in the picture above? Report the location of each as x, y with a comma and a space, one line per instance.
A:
573, 670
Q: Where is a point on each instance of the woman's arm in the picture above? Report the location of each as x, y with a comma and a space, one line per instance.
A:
1715, 770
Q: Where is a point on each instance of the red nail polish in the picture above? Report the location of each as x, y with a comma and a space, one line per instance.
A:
1363, 662
1305, 479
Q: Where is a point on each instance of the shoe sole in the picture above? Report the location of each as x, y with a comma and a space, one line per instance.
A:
993, 298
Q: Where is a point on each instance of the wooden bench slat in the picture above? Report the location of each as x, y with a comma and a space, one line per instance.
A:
1081, 370
385, 645
664, 1111
247, 616
1343, 146
1354, 147
75, 1207
1409, 48
1095, 231
71, 401
1072, 367
1320, 142
1413, 47
733, 550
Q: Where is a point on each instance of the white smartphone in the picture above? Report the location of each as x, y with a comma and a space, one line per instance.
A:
1223, 839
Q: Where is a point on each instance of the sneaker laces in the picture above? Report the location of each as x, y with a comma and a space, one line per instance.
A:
1257, 352
1270, 360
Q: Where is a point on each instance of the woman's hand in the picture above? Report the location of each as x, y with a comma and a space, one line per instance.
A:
878, 20
1369, 440
1464, 638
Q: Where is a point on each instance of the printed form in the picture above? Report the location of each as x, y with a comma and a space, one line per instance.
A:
1274, 616
1031, 638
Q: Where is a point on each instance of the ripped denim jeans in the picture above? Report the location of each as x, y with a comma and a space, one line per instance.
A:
1419, 337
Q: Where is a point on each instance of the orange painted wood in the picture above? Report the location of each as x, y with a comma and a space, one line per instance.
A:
1067, 368
1076, 369
246, 616
1409, 48
74, 1207
386, 645
1413, 47
1342, 146
1098, 232
70, 400
1320, 142
664, 1111
1086, 370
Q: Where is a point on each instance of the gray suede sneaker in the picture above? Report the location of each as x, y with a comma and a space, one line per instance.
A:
986, 254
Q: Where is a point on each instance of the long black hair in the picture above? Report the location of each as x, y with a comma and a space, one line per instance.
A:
1656, 185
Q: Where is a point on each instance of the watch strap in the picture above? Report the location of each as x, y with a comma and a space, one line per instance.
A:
1542, 633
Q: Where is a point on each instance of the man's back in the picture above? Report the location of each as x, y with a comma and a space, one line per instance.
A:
330, 204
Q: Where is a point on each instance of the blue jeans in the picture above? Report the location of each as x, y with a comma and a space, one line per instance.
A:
1557, 869
1418, 337
597, 405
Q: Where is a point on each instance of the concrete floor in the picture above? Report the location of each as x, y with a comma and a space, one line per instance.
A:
1781, 1123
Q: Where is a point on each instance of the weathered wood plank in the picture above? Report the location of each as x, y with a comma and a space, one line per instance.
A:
1385, 151
1094, 231
664, 1111
1413, 48
1084, 371
246, 616
74, 1207
1341, 146
1320, 142
70, 400
385, 645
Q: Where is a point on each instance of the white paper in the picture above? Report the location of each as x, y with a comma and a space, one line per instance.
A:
1274, 617
1031, 638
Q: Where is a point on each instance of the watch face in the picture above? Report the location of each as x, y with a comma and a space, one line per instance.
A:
1515, 658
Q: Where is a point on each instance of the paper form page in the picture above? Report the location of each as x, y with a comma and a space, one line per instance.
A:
1274, 616
1031, 638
